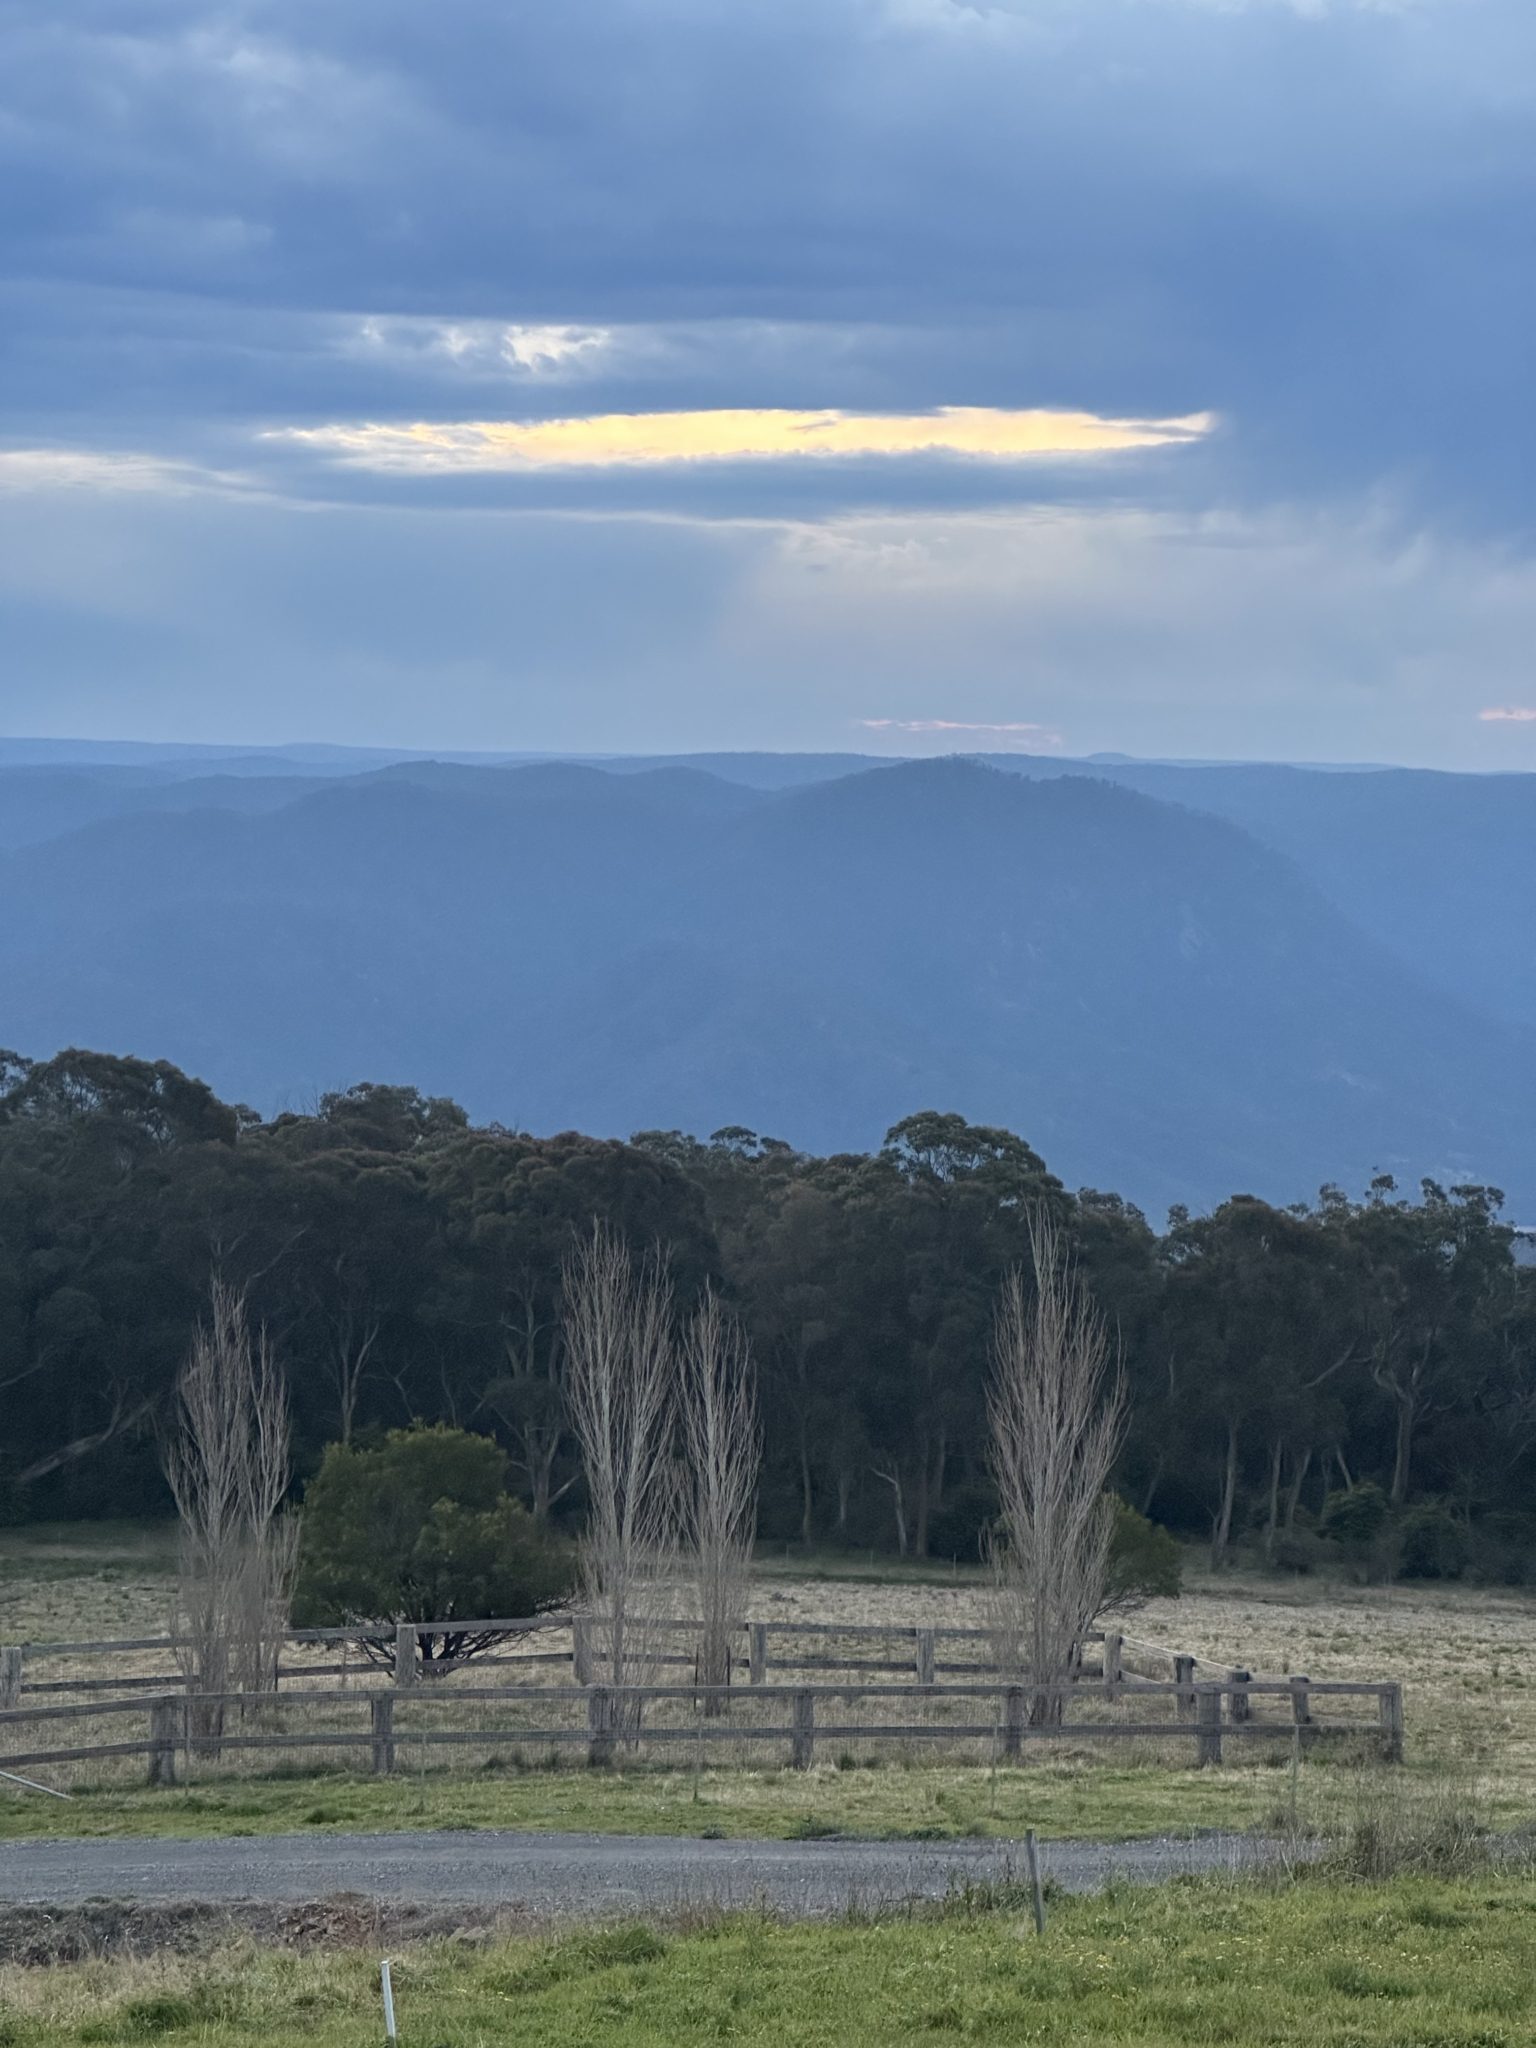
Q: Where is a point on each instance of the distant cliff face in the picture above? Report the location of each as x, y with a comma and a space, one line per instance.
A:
1160, 1002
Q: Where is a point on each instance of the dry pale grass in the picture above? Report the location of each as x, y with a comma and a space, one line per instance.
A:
1466, 1656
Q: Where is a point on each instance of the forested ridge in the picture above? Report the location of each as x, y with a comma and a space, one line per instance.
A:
1364, 1361
1164, 1002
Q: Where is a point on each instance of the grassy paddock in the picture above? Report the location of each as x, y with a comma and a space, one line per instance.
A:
925, 1801
1432, 1963
1467, 1658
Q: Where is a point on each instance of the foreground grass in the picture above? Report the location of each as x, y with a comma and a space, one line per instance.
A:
924, 1802
1435, 1964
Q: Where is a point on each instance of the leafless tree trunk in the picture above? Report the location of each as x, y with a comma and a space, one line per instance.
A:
620, 1381
1056, 1406
723, 1453
228, 1470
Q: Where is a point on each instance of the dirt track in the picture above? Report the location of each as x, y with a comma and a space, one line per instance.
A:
550, 1876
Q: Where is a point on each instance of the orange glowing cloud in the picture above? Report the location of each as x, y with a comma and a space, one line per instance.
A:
631, 440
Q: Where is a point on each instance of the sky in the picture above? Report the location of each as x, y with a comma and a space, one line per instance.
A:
903, 376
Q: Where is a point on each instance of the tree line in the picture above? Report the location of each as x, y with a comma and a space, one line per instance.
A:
1361, 1367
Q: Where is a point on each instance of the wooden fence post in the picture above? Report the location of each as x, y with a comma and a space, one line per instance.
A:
1114, 1663
405, 1653
1184, 1679
383, 1734
581, 1649
803, 1731
600, 1726
1242, 1703
1391, 1711
11, 1659
758, 1651
1013, 1720
925, 1656
1208, 1723
163, 1717
1301, 1707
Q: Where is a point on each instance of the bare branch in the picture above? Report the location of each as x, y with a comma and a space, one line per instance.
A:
228, 1471
620, 1382
1057, 1415
723, 1452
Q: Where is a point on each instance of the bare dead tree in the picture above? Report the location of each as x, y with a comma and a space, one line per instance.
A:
1056, 1405
228, 1469
620, 1382
723, 1452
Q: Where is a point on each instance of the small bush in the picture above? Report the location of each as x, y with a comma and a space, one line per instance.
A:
1358, 1516
1432, 1544
1145, 1563
1299, 1551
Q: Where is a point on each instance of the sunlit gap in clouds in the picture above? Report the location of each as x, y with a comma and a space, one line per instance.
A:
610, 440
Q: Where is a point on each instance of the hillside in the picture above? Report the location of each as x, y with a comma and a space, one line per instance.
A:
1161, 1004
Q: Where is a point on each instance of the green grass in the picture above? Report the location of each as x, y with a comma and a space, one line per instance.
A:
1417, 1964
925, 1801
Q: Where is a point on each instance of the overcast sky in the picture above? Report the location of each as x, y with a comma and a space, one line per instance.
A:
1150, 375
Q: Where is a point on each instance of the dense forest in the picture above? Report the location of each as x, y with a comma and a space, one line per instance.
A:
1361, 1364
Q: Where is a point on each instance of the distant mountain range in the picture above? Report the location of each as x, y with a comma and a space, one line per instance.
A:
1176, 980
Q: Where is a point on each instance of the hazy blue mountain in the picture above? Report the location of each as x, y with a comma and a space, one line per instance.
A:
1159, 1002
1442, 868
37, 804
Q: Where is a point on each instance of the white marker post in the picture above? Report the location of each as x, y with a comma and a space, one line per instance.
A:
388, 1990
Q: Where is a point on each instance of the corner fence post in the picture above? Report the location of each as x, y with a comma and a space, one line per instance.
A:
405, 1653
803, 1731
1242, 1703
1208, 1724
383, 1734
757, 1652
163, 1717
1013, 1720
599, 1726
925, 1656
1390, 1705
1184, 1679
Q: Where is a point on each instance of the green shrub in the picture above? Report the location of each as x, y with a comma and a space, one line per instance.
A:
1145, 1563
1358, 1516
422, 1528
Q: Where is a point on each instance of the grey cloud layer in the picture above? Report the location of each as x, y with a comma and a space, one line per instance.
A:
224, 218
1311, 219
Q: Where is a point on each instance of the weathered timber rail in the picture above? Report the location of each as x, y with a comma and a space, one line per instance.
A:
182, 1738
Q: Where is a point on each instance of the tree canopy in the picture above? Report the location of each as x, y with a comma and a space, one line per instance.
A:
409, 1267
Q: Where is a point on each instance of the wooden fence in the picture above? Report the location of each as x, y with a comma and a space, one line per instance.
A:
538, 1643
178, 1737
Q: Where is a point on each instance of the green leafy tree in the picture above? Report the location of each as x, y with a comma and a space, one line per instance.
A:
421, 1528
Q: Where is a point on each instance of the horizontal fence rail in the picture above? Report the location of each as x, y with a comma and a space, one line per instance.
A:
181, 1737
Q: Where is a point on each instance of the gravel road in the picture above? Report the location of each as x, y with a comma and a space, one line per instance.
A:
567, 1876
